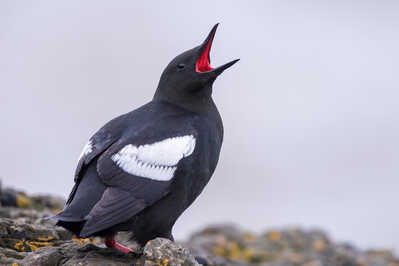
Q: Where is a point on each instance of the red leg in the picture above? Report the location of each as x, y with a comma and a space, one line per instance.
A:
111, 243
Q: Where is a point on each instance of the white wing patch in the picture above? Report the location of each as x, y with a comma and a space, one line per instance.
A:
157, 161
86, 149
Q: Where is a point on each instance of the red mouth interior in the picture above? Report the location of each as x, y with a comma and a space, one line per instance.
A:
203, 64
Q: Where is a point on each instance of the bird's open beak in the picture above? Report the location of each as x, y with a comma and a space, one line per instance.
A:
203, 62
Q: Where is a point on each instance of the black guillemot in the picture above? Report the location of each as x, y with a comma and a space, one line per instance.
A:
141, 170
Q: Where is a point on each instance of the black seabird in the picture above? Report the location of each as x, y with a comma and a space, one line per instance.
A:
141, 170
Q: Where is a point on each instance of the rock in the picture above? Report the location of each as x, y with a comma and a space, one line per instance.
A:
41, 202
22, 236
230, 245
71, 253
9, 256
161, 251
41, 243
14, 198
27, 239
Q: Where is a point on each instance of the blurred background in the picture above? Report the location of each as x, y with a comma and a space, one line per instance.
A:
311, 111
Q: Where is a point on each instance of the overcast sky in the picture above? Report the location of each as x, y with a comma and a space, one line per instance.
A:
311, 111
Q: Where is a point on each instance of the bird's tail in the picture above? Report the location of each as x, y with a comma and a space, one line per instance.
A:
85, 194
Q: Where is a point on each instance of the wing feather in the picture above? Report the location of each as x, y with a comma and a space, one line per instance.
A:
153, 150
115, 206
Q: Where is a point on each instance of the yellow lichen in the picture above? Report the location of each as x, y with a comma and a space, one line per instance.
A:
274, 235
22, 201
33, 247
248, 254
319, 245
218, 250
14, 264
48, 238
19, 246
40, 244
81, 241
165, 262
233, 250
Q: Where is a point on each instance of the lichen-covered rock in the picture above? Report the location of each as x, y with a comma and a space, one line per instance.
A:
22, 236
161, 251
73, 254
28, 240
229, 245
10, 256
14, 198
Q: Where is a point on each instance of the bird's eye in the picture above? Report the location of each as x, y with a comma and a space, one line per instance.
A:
180, 66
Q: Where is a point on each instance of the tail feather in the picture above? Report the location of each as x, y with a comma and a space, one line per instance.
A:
84, 196
62, 217
74, 227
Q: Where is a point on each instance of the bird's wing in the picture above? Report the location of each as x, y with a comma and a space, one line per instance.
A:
96, 145
113, 208
137, 171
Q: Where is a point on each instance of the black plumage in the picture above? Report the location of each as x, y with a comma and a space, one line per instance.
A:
108, 198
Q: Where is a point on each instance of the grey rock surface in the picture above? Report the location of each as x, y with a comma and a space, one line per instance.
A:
162, 251
230, 245
27, 239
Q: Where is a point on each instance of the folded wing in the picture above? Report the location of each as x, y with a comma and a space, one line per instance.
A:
136, 176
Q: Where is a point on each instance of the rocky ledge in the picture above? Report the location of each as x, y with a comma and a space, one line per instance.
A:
25, 239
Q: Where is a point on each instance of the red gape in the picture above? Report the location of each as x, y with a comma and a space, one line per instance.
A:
111, 243
202, 64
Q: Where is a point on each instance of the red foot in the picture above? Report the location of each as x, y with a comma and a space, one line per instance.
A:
111, 243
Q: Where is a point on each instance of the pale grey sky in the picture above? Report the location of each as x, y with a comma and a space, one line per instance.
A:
311, 111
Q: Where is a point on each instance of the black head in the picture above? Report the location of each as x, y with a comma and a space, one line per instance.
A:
189, 76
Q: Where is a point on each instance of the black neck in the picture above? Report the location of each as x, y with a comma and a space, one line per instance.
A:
200, 102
